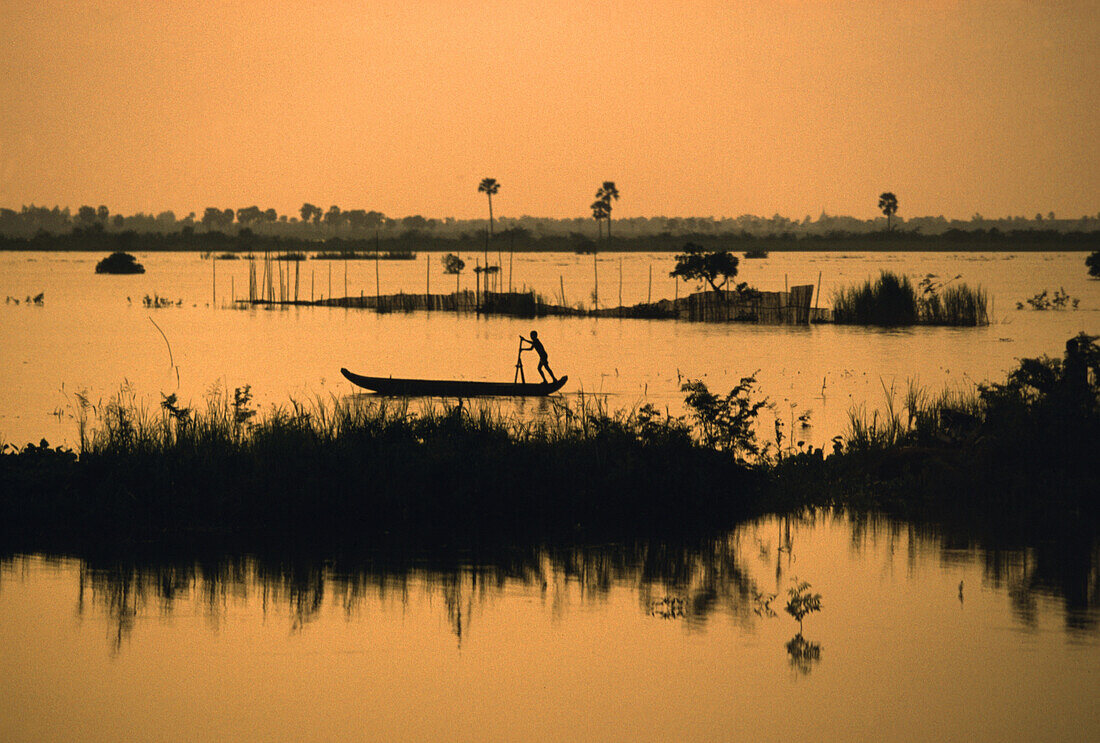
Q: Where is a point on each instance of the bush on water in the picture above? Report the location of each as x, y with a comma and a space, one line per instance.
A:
119, 263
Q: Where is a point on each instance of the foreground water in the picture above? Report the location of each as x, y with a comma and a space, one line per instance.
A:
93, 335
920, 637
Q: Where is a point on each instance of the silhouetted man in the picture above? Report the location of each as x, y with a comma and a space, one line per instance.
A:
536, 345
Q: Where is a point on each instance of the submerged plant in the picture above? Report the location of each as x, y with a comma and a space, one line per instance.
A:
1060, 300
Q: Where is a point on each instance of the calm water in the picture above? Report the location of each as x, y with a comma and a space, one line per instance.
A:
93, 334
920, 637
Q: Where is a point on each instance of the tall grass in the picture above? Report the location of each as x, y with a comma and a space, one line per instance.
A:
334, 465
893, 301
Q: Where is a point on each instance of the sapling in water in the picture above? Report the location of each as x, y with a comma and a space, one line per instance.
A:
801, 602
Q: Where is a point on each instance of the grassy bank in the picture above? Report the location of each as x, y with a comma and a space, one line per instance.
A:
1019, 451
363, 468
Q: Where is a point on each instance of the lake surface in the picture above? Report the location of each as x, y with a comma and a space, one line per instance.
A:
924, 634
921, 636
92, 333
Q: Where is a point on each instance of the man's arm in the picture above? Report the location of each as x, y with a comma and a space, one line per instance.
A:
523, 348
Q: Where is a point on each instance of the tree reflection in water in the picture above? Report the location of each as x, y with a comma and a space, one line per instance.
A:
686, 580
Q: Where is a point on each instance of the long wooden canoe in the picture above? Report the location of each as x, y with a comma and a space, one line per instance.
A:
450, 387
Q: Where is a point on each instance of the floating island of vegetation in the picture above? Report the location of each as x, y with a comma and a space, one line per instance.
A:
119, 263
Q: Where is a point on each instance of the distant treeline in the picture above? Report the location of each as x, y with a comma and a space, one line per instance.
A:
244, 240
311, 225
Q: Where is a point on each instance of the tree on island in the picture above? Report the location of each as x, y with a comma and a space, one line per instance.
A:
888, 203
1093, 262
119, 263
696, 262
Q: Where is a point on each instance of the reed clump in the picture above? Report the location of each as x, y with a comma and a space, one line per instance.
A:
894, 301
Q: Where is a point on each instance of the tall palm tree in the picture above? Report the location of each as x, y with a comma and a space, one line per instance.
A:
488, 186
606, 193
600, 211
888, 203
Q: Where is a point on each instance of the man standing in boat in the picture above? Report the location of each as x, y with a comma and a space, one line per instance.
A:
534, 344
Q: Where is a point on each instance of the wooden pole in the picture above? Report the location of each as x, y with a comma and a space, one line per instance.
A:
232, 291
511, 253
214, 281
312, 271
427, 276
817, 294
330, 279
596, 283
620, 283
377, 282
561, 283
649, 294
345, 274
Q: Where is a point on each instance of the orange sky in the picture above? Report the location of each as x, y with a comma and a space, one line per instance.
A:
696, 107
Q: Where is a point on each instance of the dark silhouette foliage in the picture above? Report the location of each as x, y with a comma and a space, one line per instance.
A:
698, 263
120, 263
1093, 263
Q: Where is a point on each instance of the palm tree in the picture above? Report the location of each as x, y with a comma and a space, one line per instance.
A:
888, 203
488, 186
606, 193
600, 210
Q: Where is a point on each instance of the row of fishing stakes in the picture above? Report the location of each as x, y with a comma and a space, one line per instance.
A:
276, 274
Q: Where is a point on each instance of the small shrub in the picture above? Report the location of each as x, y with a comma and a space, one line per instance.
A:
801, 602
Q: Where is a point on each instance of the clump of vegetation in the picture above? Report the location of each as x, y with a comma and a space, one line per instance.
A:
946, 303
728, 423
756, 252
801, 602
452, 264
1002, 444
1060, 300
157, 302
119, 263
353, 255
892, 301
1093, 263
